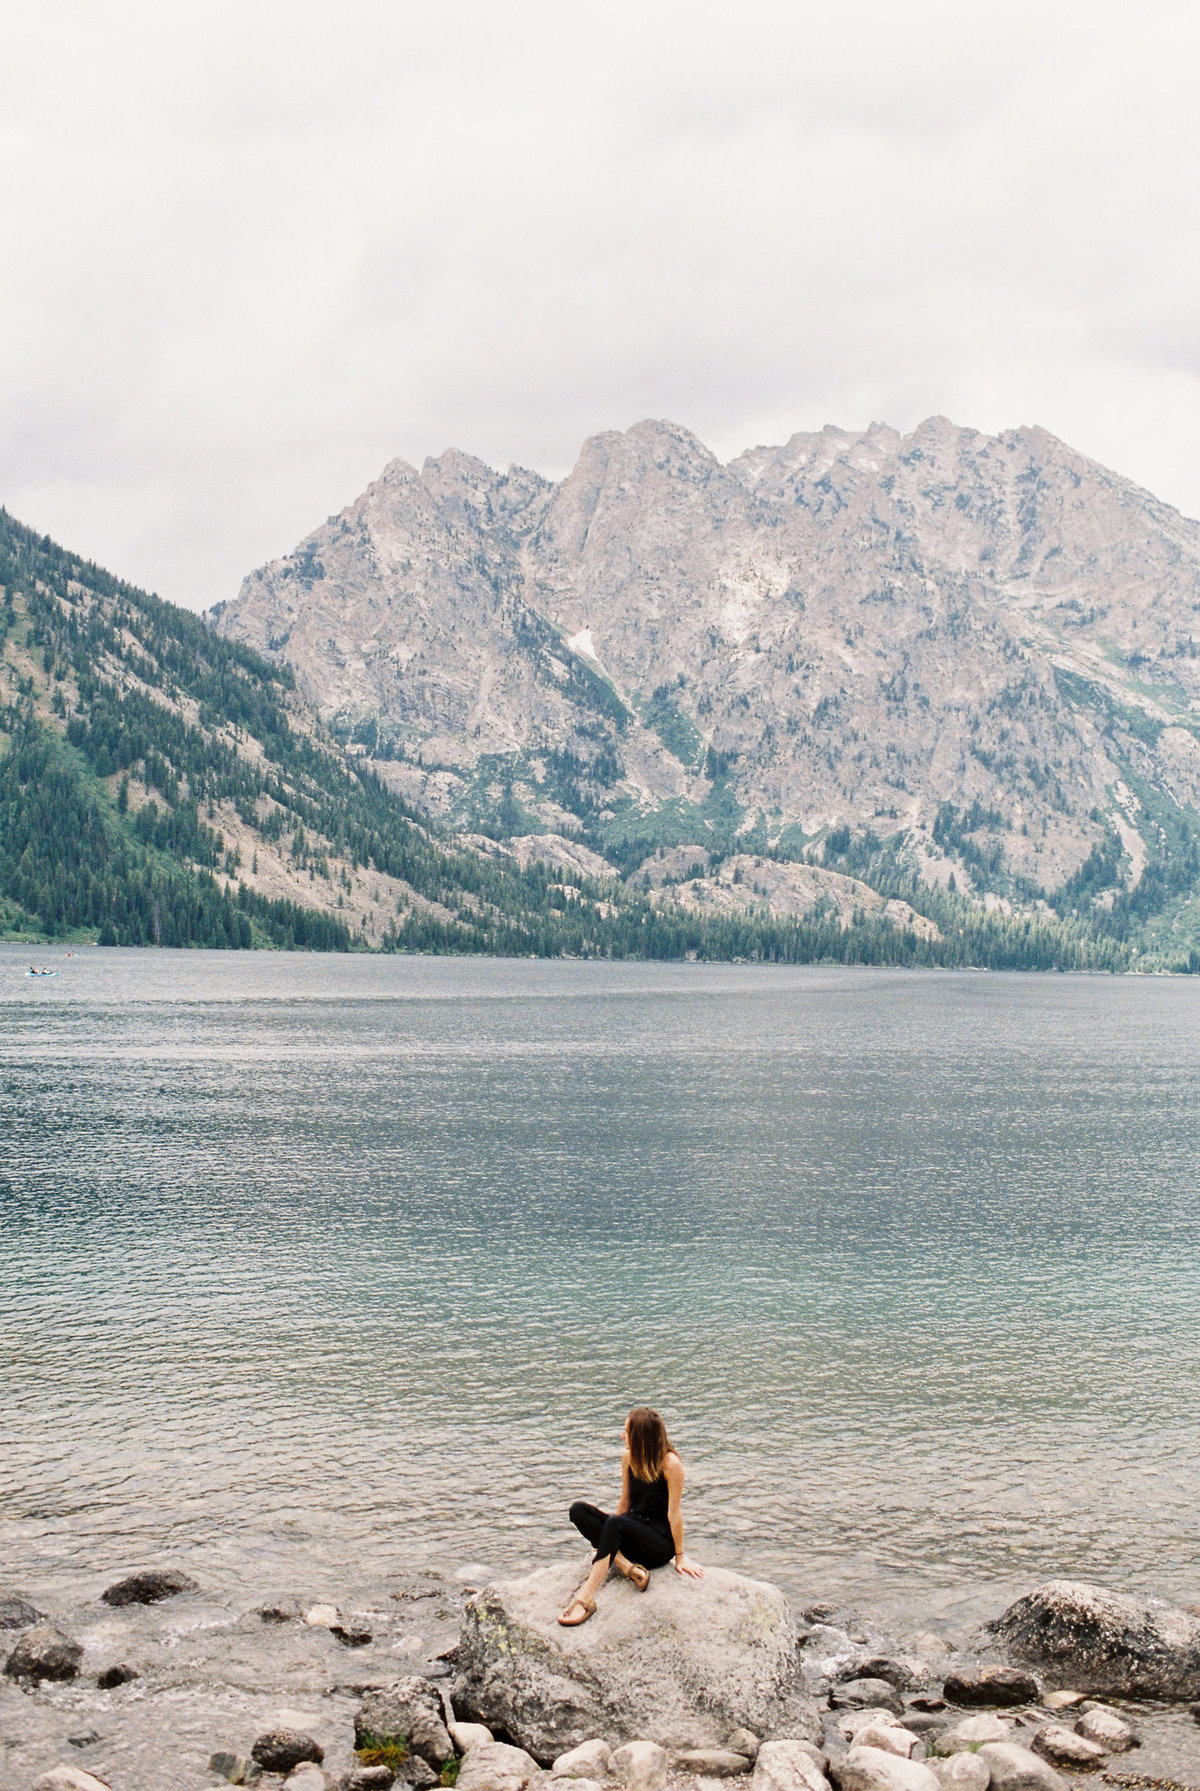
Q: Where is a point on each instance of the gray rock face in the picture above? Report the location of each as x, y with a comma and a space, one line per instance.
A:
44, 1652
1086, 1636
836, 618
17, 1612
683, 1664
409, 1708
279, 1750
148, 1588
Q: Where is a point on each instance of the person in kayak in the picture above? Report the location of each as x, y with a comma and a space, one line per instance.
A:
646, 1529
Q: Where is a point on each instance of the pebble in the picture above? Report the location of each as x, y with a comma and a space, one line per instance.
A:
712, 1762
1063, 1747
279, 1750
590, 1760
641, 1765
1107, 1729
44, 1652
148, 1588
991, 1686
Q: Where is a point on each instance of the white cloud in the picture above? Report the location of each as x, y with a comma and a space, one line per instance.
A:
252, 251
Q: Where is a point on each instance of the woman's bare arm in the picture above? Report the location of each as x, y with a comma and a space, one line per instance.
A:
674, 1473
626, 1494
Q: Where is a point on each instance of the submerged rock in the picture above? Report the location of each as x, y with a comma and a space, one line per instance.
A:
44, 1652
17, 1612
866, 1694
1105, 1641
120, 1674
148, 1588
681, 1665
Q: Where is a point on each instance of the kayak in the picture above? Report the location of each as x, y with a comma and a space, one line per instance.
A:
41, 973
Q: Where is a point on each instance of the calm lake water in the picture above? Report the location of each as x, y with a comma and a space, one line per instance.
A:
312, 1268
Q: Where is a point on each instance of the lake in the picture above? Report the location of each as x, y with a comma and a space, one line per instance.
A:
315, 1268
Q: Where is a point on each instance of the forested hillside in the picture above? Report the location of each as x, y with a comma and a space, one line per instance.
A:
162, 785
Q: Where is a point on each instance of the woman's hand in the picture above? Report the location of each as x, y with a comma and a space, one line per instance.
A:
683, 1565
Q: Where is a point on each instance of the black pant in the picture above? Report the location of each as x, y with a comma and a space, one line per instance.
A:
627, 1535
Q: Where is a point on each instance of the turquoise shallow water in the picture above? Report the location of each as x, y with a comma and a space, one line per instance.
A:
312, 1267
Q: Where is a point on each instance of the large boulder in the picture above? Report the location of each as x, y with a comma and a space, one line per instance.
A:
1086, 1636
683, 1664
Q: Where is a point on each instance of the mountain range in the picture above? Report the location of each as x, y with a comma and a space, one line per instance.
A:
963, 659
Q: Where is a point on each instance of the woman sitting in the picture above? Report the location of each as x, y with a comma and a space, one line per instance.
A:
646, 1529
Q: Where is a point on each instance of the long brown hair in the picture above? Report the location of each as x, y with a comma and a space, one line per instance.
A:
649, 1444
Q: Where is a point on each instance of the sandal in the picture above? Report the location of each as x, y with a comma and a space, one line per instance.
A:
586, 1605
637, 1575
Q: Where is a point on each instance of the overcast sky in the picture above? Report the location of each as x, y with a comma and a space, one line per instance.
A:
252, 251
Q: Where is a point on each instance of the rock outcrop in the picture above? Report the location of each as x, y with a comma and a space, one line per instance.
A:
683, 1665
1089, 1638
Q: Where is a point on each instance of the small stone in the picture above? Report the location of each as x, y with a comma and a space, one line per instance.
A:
926, 1701
148, 1588
991, 1686
416, 1772
465, 1736
1012, 1767
818, 1613
120, 1674
495, 1766
851, 1721
17, 1612
889, 1736
1107, 1729
864, 1694
872, 1769
85, 1738
286, 1610
1062, 1700
897, 1672
238, 1769
308, 1777
351, 1635
281, 1749
70, 1778
712, 1762
44, 1652
789, 1766
744, 1741
321, 1616
1063, 1747
590, 1760
962, 1772
641, 1765
409, 1708
922, 1722
368, 1778
971, 1732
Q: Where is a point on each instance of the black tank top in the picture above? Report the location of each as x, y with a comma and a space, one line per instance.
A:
648, 1501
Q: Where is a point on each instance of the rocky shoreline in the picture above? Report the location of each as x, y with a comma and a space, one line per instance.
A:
154, 1686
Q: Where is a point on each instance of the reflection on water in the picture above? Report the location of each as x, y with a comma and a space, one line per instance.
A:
314, 1267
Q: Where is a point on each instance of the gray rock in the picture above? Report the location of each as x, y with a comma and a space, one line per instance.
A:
590, 1760
278, 1750
744, 1741
926, 1701
992, 1687
17, 1612
713, 1762
922, 1722
1012, 1767
789, 1766
465, 1736
1061, 1700
972, 1732
890, 1735
641, 1765
495, 1766
306, 1777
1063, 1747
866, 1694
351, 1634
148, 1588
962, 1772
238, 1769
1108, 1729
409, 1708
69, 1778
284, 1610
681, 1665
368, 1778
849, 1722
418, 1773
898, 1673
1086, 1636
871, 1769
44, 1652
928, 1645
120, 1674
